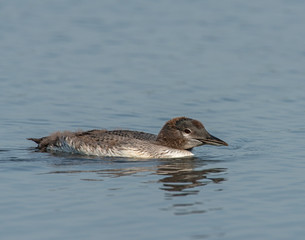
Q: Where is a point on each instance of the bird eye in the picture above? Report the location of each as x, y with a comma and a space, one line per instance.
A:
187, 131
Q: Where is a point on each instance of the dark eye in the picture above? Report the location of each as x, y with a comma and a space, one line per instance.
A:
187, 131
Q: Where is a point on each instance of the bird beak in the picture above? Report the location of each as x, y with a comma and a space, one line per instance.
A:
211, 140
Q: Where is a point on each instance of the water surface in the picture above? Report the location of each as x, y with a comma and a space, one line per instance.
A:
236, 66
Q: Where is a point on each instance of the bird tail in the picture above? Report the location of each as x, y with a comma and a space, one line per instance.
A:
36, 140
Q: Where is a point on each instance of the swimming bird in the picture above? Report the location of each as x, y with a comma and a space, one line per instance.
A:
176, 139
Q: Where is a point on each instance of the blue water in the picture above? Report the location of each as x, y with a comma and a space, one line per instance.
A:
237, 66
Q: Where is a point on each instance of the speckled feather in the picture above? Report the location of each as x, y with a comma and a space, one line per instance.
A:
171, 142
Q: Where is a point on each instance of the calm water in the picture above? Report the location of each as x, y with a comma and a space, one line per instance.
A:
238, 66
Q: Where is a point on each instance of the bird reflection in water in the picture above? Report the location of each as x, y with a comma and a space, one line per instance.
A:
180, 177
183, 178
186, 178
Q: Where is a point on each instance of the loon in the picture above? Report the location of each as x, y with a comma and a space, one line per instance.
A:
176, 139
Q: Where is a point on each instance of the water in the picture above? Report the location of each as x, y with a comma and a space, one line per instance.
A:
237, 66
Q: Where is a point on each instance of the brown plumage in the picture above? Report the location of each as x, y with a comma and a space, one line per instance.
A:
176, 138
